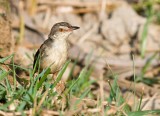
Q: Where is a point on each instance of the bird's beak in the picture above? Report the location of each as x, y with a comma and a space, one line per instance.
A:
75, 27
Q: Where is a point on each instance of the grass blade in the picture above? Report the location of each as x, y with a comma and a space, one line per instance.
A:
3, 75
60, 74
81, 97
39, 84
2, 60
19, 93
144, 113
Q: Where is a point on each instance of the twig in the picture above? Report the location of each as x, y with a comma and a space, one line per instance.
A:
150, 103
103, 10
95, 110
41, 101
15, 113
138, 88
69, 3
91, 102
102, 93
51, 112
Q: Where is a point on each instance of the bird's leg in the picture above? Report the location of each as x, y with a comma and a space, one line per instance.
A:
60, 87
55, 76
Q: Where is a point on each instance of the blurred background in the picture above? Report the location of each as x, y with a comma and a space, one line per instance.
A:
116, 37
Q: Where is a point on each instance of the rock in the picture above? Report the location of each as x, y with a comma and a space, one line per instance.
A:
153, 35
124, 48
122, 25
114, 35
130, 19
124, 56
96, 38
108, 47
120, 29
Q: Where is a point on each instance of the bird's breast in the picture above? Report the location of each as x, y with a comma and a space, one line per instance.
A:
55, 55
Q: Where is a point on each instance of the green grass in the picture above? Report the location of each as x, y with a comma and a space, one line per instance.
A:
149, 14
39, 95
147, 9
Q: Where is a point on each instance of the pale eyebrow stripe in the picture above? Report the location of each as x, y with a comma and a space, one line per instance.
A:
63, 27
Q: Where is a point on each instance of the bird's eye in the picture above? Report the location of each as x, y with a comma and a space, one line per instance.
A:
61, 30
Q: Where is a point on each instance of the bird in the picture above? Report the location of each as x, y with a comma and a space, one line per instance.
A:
53, 52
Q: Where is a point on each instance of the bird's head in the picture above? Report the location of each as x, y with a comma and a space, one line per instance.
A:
62, 30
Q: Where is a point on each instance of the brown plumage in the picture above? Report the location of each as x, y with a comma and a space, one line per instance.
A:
53, 52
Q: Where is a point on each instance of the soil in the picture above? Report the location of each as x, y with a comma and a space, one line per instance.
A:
6, 40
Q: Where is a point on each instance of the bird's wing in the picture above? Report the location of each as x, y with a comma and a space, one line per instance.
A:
36, 57
41, 52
